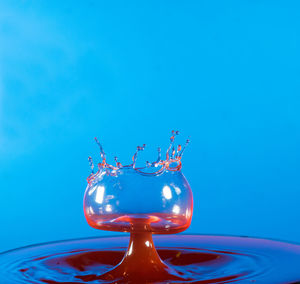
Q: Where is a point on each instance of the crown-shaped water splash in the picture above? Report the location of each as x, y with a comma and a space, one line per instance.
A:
172, 161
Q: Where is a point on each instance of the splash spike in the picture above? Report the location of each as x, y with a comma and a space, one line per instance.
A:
173, 152
184, 147
157, 161
91, 164
102, 153
158, 154
118, 164
134, 158
172, 139
178, 151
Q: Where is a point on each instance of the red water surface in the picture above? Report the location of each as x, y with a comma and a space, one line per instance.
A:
160, 223
180, 259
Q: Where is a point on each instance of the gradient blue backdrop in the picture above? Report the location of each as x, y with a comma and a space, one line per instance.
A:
225, 73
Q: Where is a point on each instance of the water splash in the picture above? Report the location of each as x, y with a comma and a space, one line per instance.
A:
91, 164
134, 158
172, 162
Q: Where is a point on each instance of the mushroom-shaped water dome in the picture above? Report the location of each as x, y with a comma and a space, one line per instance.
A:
152, 199
129, 200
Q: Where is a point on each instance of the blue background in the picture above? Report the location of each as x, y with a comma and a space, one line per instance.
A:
225, 73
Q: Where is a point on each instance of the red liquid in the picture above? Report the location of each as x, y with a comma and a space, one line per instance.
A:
141, 263
159, 223
194, 258
141, 249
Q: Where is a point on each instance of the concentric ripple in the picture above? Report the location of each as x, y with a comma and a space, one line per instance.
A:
201, 259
